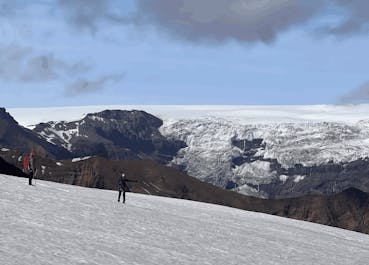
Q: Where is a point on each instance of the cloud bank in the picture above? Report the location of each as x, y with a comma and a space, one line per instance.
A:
219, 20
222, 20
356, 96
83, 86
210, 20
20, 64
355, 18
89, 14
23, 65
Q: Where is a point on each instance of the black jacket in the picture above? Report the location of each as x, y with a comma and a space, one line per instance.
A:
122, 184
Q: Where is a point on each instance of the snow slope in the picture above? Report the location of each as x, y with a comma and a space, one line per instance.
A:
52, 223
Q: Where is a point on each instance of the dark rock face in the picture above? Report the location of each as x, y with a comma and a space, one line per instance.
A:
9, 169
348, 209
114, 134
14, 136
250, 148
324, 179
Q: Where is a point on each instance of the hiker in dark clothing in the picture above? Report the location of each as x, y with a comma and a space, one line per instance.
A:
123, 187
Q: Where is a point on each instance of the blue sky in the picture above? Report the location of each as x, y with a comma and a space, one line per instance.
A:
93, 52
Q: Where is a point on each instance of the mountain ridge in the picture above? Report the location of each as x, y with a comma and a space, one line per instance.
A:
14, 136
268, 161
114, 134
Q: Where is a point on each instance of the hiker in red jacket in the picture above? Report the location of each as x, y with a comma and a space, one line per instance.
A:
29, 166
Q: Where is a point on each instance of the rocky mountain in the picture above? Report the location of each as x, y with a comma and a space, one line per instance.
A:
113, 134
14, 136
266, 160
348, 209
273, 160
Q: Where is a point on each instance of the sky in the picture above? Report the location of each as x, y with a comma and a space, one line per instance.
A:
224, 52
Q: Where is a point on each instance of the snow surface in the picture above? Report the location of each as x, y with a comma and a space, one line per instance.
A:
283, 178
298, 178
52, 223
77, 159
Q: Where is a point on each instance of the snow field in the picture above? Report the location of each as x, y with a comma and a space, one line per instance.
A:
52, 223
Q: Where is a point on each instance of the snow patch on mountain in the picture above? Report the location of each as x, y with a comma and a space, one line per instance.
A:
96, 118
283, 178
43, 169
257, 170
61, 133
298, 178
78, 159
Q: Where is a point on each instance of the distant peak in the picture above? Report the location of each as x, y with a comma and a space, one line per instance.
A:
4, 115
125, 115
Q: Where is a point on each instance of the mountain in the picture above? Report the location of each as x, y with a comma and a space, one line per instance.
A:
273, 160
63, 224
264, 151
14, 136
113, 134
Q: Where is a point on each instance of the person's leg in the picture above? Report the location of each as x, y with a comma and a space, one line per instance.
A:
30, 176
120, 192
124, 196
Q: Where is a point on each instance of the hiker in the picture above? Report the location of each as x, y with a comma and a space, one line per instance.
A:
29, 166
123, 187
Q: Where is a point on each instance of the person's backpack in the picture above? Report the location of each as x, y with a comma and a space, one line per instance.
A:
25, 164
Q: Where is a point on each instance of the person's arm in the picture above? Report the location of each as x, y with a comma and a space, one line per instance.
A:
131, 180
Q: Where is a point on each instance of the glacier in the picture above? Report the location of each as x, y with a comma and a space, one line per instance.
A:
210, 151
52, 223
